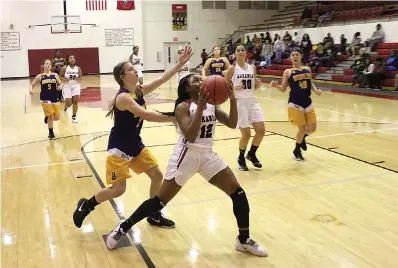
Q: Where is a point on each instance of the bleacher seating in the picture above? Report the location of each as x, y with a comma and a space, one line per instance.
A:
356, 10
383, 50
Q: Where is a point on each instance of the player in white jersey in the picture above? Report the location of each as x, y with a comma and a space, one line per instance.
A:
194, 154
138, 64
244, 79
71, 75
184, 71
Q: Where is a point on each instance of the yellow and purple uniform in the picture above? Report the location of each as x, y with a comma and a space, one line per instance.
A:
125, 147
217, 66
48, 94
301, 111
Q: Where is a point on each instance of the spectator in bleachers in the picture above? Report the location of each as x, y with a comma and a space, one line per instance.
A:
375, 74
248, 43
328, 41
343, 44
328, 16
355, 45
359, 67
306, 16
306, 47
329, 57
319, 54
296, 39
262, 38
267, 52
287, 39
365, 48
392, 61
268, 37
377, 37
278, 49
254, 40
275, 38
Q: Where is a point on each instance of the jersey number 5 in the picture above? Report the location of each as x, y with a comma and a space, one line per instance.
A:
247, 84
206, 131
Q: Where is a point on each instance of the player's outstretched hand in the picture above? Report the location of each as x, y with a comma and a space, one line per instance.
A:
186, 55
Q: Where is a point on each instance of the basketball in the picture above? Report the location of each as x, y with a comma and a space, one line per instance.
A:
217, 86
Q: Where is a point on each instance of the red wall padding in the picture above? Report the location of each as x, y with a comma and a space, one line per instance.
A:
86, 58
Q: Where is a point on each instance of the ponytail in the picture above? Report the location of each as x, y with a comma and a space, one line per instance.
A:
118, 72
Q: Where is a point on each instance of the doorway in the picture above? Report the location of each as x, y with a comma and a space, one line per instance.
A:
170, 53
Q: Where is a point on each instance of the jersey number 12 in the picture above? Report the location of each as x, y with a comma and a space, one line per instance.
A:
206, 131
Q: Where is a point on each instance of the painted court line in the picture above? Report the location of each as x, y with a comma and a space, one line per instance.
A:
44, 165
218, 147
284, 189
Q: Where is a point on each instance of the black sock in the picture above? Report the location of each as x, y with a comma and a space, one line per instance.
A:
305, 135
241, 211
92, 203
73, 115
146, 209
253, 150
298, 146
242, 153
50, 131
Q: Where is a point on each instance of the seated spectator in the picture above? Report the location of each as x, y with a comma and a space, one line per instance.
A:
392, 61
377, 37
355, 45
359, 67
319, 53
329, 57
278, 49
306, 47
365, 48
328, 16
306, 16
375, 74
287, 39
267, 52
328, 41
296, 40
343, 44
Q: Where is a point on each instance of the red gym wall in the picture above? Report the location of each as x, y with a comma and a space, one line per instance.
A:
86, 58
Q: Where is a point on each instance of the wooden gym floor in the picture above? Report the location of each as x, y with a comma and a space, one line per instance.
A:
339, 208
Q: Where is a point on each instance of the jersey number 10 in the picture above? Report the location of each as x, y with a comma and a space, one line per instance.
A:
247, 84
206, 131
